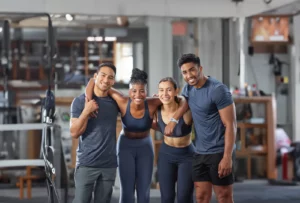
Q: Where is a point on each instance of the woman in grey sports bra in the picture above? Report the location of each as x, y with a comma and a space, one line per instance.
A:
176, 152
134, 148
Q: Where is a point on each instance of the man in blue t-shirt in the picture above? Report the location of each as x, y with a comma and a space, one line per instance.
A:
213, 113
96, 161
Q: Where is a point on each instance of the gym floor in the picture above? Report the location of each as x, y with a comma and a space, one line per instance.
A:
254, 191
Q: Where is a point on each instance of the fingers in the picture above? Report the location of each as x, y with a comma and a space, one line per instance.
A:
221, 173
224, 172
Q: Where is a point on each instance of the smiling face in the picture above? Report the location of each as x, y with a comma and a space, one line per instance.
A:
191, 73
105, 78
167, 92
138, 93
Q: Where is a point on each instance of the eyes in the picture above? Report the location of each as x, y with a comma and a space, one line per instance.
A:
141, 91
110, 77
162, 90
191, 70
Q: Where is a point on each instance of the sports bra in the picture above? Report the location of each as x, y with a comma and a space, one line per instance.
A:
132, 124
181, 129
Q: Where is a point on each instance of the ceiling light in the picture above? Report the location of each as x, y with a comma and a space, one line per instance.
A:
69, 17
110, 39
0, 29
91, 39
98, 39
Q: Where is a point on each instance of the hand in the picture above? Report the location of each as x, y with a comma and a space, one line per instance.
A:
169, 128
93, 114
225, 167
91, 107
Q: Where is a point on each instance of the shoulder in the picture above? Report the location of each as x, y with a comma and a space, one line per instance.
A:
185, 90
78, 100
216, 86
107, 99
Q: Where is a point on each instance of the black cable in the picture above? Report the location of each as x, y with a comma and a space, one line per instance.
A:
50, 50
49, 168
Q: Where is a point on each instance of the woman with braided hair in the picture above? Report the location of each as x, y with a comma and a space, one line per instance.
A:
134, 147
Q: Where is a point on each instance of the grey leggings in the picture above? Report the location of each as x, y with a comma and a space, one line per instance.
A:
135, 160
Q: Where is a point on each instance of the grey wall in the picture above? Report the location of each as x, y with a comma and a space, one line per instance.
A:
210, 46
160, 50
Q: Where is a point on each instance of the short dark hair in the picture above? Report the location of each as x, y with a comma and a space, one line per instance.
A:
188, 58
138, 76
110, 65
174, 83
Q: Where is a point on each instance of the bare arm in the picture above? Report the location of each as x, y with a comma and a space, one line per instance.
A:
187, 117
183, 107
78, 125
228, 118
154, 122
118, 96
89, 90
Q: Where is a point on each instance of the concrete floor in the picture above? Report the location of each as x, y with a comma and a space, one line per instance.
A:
254, 191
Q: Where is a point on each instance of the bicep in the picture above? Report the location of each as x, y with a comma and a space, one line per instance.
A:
76, 108
118, 96
228, 115
153, 103
187, 117
222, 97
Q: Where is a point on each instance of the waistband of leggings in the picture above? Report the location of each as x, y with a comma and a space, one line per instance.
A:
123, 140
167, 149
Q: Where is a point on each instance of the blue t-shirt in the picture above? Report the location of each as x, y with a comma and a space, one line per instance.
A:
205, 103
97, 145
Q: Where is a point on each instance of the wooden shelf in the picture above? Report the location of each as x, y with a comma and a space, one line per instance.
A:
251, 125
267, 149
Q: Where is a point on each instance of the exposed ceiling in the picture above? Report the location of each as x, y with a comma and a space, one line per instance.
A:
288, 9
162, 8
67, 20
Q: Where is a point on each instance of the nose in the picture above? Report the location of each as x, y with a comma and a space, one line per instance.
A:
105, 79
165, 93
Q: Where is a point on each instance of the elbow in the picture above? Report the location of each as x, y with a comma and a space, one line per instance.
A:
74, 134
235, 127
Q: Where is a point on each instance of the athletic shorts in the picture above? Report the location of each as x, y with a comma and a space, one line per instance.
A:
205, 169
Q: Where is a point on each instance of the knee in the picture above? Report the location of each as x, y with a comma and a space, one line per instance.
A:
126, 197
168, 198
224, 196
203, 196
185, 198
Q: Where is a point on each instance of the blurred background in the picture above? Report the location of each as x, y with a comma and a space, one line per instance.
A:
252, 46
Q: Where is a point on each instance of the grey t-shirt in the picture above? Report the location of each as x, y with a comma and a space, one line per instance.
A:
205, 103
97, 145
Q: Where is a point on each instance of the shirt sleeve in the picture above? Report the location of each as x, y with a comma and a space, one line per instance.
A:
222, 97
76, 107
185, 91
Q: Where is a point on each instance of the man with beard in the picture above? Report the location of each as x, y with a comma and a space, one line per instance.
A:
213, 113
96, 160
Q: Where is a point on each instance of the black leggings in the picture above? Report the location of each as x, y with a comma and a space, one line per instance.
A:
135, 159
175, 165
